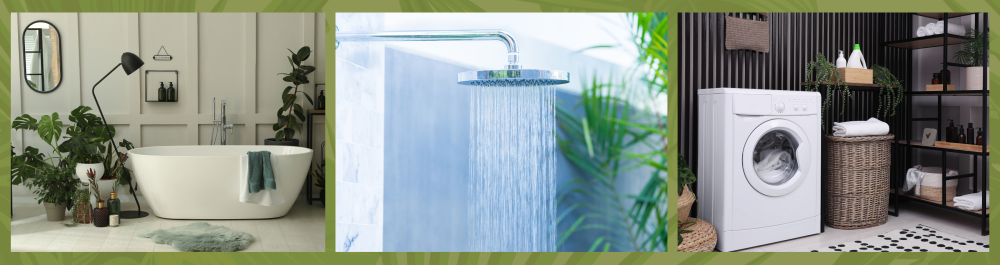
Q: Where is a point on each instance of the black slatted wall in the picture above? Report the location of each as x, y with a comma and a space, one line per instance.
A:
795, 40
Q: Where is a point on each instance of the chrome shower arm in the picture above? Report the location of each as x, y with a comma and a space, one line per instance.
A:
439, 35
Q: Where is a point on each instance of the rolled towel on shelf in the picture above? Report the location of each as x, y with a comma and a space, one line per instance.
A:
952, 28
921, 31
870, 127
972, 202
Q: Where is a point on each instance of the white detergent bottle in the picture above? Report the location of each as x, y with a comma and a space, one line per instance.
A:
841, 62
857, 59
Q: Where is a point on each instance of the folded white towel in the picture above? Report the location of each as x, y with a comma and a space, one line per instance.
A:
921, 31
972, 202
913, 178
952, 28
870, 127
773, 165
264, 197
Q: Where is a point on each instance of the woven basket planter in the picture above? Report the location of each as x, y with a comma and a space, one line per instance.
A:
857, 181
684, 203
701, 239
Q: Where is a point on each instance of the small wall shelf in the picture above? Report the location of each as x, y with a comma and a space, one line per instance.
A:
177, 84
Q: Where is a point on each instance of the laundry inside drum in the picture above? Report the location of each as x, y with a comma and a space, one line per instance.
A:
774, 157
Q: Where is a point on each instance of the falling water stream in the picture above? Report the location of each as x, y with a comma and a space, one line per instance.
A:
512, 168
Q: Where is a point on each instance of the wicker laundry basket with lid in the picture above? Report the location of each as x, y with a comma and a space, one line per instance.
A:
857, 181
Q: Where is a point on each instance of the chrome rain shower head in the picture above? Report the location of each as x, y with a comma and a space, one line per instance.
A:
512, 75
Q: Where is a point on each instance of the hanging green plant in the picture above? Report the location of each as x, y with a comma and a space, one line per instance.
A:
827, 77
890, 88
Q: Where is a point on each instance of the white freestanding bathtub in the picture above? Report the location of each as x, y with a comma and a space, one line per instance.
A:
202, 181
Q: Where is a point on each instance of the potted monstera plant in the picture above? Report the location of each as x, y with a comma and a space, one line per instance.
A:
290, 115
49, 178
85, 144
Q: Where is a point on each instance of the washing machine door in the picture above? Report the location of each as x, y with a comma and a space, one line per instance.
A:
776, 157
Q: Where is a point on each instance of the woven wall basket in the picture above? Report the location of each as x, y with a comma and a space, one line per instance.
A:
746, 34
857, 181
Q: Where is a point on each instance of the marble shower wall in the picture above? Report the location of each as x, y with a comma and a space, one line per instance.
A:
360, 95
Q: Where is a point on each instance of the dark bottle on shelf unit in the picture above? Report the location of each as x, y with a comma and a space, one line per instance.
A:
961, 135
161, 94
950, 132
979, 139
321, 101
946, 77
171, 93
937, 79
970, 135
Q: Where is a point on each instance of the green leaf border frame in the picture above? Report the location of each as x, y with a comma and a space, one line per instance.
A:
331, 7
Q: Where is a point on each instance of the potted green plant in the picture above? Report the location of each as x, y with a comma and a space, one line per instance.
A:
291, 115
49, 178
82, 210
972, 55
85, 142
823, 75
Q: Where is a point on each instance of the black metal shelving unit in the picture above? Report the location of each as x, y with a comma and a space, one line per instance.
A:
905, 147
309, 139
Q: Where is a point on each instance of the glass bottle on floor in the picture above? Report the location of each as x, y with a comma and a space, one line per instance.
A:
114, 204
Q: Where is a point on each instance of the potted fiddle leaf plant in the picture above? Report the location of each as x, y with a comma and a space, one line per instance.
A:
972, 55
290, 115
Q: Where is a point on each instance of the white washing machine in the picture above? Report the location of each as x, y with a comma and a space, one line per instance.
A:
758, 165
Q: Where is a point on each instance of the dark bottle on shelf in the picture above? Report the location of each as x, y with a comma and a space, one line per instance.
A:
937, 79
970, 134
161, 94
172, 93
979, 139
950, 132
961, 135
946, 77
321, 101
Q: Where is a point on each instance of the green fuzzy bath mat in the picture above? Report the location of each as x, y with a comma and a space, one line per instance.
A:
201, 237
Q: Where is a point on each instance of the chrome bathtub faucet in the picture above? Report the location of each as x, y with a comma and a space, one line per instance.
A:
221, 125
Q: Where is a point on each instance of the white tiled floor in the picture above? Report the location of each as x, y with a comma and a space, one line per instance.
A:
302, 230
910, 214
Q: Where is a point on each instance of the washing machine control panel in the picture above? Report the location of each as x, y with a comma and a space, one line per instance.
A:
794, 105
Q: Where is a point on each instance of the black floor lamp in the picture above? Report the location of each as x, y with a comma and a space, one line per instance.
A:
130, 63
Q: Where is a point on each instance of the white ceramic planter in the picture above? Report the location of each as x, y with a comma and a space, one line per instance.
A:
103, 185
81, 171
974, 78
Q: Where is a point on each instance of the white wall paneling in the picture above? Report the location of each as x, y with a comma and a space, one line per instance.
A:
229, 56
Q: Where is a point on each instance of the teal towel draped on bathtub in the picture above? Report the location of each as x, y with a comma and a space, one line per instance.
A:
260, 174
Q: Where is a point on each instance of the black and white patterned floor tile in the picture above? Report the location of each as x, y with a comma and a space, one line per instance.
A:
921, 238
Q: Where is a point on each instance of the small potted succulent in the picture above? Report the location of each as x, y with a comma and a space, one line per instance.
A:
290, 115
